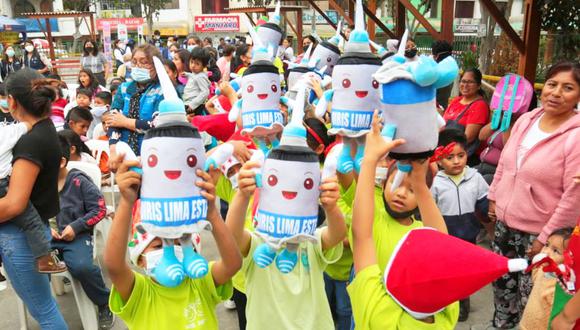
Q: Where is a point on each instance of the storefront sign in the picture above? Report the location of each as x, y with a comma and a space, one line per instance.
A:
217, 23
130, 23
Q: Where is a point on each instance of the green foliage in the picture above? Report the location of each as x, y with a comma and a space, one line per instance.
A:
77, 5
469, 60
560, 15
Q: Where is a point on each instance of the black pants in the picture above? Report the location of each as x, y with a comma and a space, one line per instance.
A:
240, 299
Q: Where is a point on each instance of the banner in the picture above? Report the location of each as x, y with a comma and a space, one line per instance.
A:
130, 23
217, 23
107, 43
122, 32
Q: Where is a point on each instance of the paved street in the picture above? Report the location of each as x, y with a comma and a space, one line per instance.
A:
481, 306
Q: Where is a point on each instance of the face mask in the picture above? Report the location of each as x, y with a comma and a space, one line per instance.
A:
4, 104
380, 176
29, 48
140, 75
98, 111
190, 47
234, 181
171, 55
152, 258
10, 53
410, 53
89, 48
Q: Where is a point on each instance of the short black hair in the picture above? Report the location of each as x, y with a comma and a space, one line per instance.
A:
564, 232
107, 97
441, 48
200, 54
85, 91
74, 140
77, 114
64, 147
449, 135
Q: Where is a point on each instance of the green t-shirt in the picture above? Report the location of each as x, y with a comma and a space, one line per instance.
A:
373, 307
386, 230
290, 301
340, 270
191, 305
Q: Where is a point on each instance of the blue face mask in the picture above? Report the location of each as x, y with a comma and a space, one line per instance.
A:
4, 103
190, 48
140, 75
10, 53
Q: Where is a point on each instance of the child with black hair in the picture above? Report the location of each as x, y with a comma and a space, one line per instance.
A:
196, 92
78, 149
84, 97
79, 120
5, 116
82, 206
460, 193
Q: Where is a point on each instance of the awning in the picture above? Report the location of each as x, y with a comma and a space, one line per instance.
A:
10, 25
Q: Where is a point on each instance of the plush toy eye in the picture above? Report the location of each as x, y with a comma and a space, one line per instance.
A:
375, 84
274, 88
329, 59
308, 183
250, 88
152, 160
191, 160
272, 180
346, 83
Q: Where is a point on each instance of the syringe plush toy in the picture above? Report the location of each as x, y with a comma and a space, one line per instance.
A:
171, 204
302, 73
270, 33
258, 110
408, 91
354, 95
327, 53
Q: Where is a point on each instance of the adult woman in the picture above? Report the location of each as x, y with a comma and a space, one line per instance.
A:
10, 63
34, 179
286, 53
172, 72
224, 62
135, 102
92, 59
88, 80
469, 112
242, 60
533, 192
35, 60
181, 61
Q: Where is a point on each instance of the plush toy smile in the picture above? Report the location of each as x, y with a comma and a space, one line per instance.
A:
289, 194
262, 96
172, 175
361, 94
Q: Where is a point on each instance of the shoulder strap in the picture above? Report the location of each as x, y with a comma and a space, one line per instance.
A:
465, 110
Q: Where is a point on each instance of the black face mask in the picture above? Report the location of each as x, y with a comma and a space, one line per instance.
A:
89, 49
394, 214
410, 53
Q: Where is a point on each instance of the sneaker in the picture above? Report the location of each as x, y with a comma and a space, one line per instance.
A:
230, 304
50, 264
488, 326
3, 284
464, 307
106, 317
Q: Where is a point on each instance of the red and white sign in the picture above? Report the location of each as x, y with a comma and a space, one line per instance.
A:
131, 23
217, 23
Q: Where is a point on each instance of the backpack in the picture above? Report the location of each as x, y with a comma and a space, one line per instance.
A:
512, 95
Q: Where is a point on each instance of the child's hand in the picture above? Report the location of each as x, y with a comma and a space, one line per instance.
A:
241, 151
376, 146
577, 178
418, 174
247, 179
329, 193
207, 191
128, 181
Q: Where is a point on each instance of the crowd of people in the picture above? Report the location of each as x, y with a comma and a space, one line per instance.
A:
516, 188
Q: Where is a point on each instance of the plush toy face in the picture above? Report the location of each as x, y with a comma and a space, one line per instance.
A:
326, 57
169, 165
261, 103
270, 37
289, 197
354, 88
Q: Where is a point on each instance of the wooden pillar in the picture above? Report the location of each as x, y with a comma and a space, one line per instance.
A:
447, 16
351, 10
529, 57
400, 22
299, 30
371, 28
93, 33
50, 41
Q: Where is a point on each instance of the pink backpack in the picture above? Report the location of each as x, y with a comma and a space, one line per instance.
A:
512, 95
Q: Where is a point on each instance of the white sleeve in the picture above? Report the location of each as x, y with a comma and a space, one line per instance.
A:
118, 55
10, 134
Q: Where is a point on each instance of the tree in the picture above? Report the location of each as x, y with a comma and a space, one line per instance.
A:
77, 5
150, 8
560, 17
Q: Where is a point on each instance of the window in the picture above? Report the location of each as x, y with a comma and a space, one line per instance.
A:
464, 9
174, 4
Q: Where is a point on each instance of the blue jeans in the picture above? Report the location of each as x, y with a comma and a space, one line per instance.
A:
339, 302
32, 287
78, 257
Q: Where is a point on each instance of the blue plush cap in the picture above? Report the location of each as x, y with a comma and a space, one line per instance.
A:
358, 42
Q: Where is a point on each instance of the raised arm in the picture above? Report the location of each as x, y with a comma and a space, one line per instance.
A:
119, 271
430, 213
364, 252
335, 232
231, 260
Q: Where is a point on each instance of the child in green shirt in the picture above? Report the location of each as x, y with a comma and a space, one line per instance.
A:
296, 300
140, 301
373, 307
